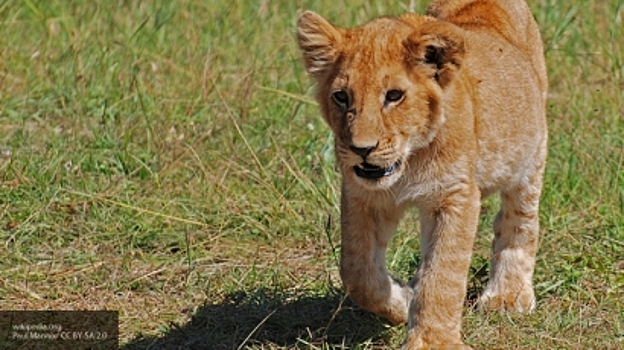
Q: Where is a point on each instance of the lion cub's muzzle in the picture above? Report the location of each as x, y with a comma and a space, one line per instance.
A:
374, 172
370, 171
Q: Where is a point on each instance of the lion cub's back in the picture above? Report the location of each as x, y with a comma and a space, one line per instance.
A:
512, 19
509, 110
506, 72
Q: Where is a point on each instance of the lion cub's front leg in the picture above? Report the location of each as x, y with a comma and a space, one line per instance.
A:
433, 307
448, 231
366, 230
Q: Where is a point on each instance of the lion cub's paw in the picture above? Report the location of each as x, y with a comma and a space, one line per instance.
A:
398, 309
520, 301
420, 345
425, 340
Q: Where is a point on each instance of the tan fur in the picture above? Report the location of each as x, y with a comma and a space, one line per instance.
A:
443, 109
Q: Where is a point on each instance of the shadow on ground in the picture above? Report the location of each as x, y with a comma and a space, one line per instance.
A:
266, 320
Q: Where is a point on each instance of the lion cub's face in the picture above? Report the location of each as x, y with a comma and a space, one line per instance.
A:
380, 88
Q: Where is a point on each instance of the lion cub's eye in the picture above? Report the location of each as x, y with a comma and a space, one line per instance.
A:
394, 96
341, 97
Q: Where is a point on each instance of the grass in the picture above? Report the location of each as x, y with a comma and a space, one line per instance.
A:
164, 159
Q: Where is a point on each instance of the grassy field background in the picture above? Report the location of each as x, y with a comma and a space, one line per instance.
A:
165, 159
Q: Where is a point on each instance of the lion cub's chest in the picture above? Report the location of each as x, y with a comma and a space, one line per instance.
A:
430, 179
427, 181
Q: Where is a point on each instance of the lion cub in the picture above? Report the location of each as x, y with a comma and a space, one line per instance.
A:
435, 111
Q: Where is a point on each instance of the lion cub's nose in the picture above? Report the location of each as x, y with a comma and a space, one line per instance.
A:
363, 151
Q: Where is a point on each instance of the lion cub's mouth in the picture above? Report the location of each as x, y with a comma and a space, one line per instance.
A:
373, 172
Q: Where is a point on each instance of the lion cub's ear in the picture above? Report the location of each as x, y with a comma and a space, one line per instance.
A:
319, 41
437, 44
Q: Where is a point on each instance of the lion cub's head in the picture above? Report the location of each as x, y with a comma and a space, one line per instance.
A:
380, 88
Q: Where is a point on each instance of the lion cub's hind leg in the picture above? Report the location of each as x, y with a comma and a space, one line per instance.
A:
516, 230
